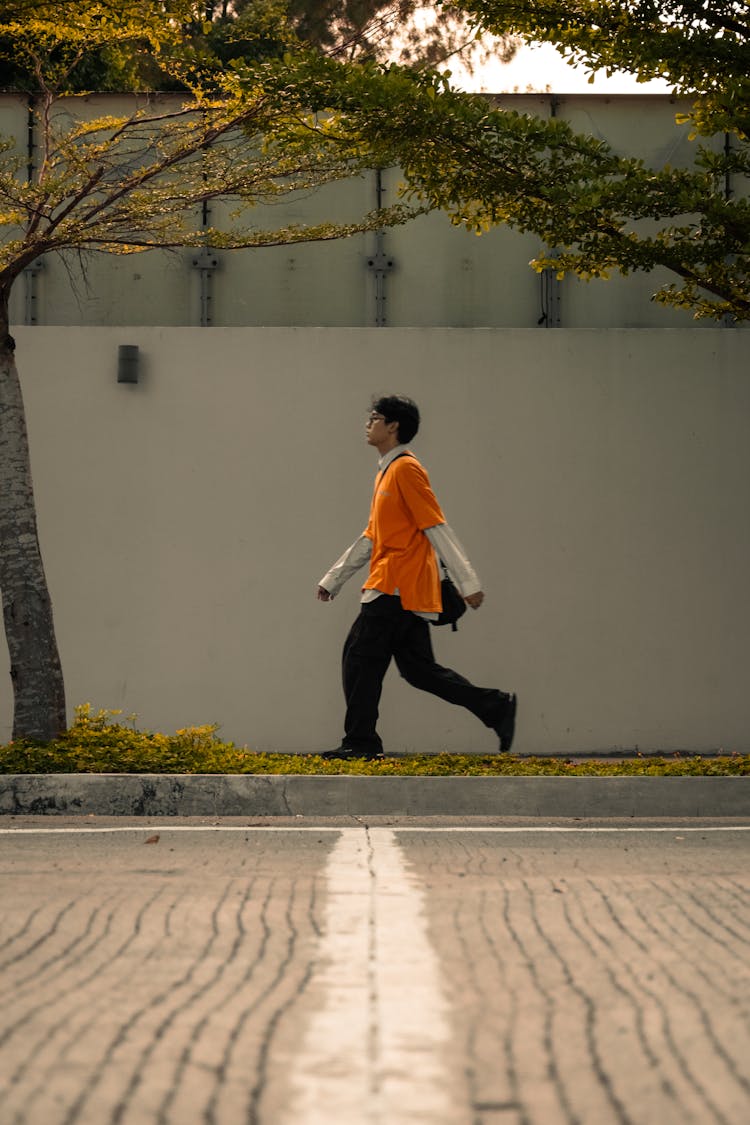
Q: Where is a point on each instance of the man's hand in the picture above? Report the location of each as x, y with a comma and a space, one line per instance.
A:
475, 600
323, 595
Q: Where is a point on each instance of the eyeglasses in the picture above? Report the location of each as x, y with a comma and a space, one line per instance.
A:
375, 417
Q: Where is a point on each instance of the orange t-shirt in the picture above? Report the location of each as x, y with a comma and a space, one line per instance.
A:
403, 505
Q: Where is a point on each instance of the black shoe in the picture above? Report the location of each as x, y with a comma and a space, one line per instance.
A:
506, 728
350, 754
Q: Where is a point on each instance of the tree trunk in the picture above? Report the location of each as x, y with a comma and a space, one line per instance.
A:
36, 674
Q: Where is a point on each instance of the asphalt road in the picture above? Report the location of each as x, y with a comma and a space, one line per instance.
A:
380, 973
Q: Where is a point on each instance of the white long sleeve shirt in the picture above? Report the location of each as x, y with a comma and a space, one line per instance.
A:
444, 542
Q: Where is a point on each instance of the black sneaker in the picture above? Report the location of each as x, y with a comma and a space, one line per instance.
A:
350, 754
506, 728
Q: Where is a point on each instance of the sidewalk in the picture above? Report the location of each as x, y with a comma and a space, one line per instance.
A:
350, 795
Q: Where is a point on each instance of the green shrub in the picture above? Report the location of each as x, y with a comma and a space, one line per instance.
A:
96, 743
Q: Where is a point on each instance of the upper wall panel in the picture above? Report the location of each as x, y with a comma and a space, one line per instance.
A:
426, 273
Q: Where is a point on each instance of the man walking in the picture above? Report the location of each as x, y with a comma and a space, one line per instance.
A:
405, 534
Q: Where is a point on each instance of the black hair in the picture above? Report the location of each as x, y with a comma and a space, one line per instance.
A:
398, 408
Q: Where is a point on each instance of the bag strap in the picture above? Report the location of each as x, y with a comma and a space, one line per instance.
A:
406, 453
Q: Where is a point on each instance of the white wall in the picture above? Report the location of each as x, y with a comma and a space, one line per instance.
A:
598, 479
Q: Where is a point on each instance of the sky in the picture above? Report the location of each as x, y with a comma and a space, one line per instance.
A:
541, 66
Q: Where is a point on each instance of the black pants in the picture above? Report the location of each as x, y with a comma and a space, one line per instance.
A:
384, 630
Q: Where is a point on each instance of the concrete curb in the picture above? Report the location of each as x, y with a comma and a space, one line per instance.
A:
263, 795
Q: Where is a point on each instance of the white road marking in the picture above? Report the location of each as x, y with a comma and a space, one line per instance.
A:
377, 1049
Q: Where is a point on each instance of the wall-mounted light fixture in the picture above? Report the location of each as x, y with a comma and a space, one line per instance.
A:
127, 363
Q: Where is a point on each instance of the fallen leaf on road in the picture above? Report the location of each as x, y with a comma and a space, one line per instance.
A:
153, 839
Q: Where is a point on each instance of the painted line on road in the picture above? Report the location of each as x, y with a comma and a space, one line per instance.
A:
496, 829
377, 1048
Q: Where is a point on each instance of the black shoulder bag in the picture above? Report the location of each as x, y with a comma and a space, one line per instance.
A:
454, 605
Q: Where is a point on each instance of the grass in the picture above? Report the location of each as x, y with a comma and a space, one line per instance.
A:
96, 743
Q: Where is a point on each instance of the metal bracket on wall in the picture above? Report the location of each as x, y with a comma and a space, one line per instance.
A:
381, 265
550, 299
206, 261
30, 273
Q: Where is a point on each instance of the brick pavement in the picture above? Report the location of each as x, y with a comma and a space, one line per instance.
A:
595, 985
584, 978
146, 982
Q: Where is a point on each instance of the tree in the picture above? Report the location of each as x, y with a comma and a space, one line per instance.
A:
410, 32
251, 131
597, 211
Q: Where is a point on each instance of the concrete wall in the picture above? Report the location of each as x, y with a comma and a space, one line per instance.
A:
598, 480
442, 275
